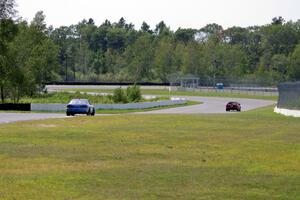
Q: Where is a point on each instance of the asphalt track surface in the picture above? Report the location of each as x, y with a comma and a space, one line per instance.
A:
210, 105
15, 117
213, 105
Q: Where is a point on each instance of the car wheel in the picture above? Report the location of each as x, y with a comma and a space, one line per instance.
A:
68, 114
93, 113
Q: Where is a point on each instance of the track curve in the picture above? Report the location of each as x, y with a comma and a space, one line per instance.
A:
210, 105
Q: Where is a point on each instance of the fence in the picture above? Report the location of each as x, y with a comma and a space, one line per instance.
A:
289, 95
229, 85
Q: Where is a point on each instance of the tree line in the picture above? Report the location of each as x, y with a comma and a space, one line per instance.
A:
32, 53
119, 52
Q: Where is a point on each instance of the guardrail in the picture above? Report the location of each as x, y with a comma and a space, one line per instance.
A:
109, 83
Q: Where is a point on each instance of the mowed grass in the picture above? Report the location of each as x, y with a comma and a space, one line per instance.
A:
252, 155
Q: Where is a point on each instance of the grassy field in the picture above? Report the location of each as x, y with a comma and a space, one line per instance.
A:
184, 93
252, 155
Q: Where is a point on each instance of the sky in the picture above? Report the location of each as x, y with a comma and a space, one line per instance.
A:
175, 13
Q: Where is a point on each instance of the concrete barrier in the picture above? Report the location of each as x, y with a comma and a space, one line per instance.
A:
48, 107
144, 105
15, 106
287, 112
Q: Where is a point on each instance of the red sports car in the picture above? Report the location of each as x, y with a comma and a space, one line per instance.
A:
233, 106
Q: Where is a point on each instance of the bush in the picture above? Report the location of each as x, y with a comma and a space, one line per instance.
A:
65, 97
119, 96
134, 94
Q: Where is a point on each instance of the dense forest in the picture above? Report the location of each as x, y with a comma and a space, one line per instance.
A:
119, 52
34, 53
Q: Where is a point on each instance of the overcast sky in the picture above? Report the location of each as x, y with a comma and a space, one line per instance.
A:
175, 13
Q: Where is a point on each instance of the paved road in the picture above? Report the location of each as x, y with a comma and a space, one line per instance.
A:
15, 117
211, 105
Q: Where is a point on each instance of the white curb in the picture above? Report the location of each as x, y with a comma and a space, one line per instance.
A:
287, 112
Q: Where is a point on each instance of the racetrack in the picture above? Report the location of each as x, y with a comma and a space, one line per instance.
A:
213, 105
15, 117
210, 105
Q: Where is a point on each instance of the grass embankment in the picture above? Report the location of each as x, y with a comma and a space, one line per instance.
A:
66, 97
188, 103
252, 155
186, 93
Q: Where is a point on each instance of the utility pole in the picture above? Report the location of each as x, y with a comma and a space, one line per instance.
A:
214, 70
66, 67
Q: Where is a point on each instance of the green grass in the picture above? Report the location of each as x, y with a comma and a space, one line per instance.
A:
185, 93
66, 97
252, 155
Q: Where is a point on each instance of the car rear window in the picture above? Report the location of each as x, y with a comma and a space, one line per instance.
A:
85, 101
76, 101
79, 101
233, 103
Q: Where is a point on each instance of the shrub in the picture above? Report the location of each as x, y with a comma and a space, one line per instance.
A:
119, 96
134, 94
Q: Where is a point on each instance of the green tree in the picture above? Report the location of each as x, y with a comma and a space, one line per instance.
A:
164, 58
161, 29
294, 71
7, 9
279, 39
38, 21
8, 31
185, 35
139, 58
191, 59
146, 28
35, 56
121, 24
212, 29
116, 39
279, 67
278, 20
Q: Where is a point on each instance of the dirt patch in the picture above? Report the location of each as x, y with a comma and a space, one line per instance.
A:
47, 125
